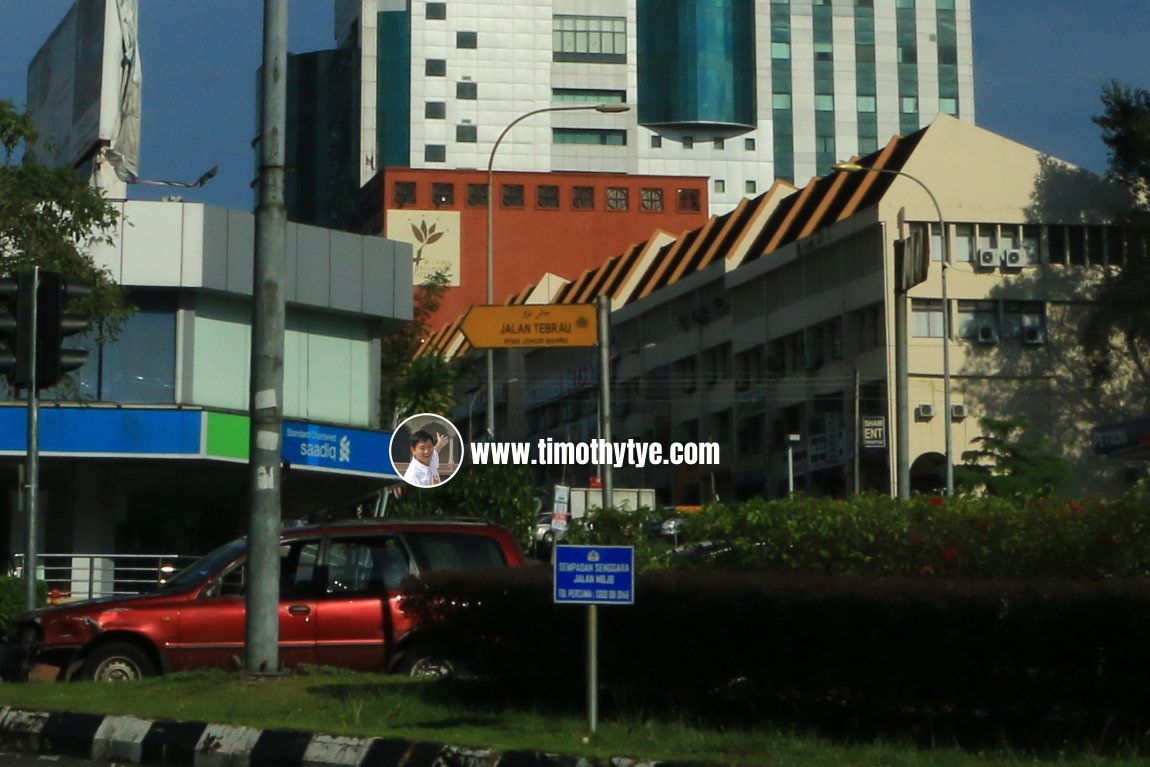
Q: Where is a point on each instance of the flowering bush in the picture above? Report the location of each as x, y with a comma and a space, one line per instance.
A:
963, 536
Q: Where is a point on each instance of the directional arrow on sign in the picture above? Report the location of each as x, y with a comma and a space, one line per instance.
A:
531, 326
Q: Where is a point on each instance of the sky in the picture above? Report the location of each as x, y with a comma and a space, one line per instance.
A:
1039, 70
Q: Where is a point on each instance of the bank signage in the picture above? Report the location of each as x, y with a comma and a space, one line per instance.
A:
97, 432
336, 448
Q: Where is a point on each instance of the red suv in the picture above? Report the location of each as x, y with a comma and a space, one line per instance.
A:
340, 605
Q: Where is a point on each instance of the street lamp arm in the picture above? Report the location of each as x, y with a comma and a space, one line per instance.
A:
854, 167
490, 355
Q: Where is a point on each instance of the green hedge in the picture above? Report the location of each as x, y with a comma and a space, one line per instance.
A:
12, 597
1034, 661
876, 535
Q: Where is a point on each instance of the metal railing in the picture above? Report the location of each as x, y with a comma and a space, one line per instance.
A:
84, 576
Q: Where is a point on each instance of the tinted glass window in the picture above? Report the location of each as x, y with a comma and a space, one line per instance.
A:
455, 551
366, 565
207, 565
299, 575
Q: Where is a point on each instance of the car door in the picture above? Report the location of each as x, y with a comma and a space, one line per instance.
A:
356, 622
211, 628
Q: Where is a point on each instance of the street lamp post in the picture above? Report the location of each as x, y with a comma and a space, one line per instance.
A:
606, 109
946, 406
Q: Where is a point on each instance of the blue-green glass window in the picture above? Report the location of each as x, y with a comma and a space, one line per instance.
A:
600, 39
866, 80
784, 144
824, 77
825, 154
697, 62
435, 153
466, 134
868, 131
601, 137
947, 35
139, 367
587, 96
466, 39
907, 34
437, 11
781, 74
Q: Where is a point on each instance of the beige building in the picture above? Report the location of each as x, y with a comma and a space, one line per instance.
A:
782, 318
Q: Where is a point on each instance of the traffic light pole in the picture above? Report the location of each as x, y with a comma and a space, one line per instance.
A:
32, 488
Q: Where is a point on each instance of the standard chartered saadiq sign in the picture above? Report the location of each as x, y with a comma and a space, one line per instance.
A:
178, 433
331, 447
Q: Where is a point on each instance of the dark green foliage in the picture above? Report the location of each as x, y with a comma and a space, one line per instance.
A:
965, 536
987, 659
412, 384
1007, 464
1118, 327
501, 493
12, 597
1125, 124
48, 217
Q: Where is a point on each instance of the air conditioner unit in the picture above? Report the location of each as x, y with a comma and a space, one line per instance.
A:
1033, 335
958, 412
988, 259
924, 411
987, 334
1013, 259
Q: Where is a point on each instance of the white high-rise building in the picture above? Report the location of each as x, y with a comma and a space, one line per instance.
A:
740, 91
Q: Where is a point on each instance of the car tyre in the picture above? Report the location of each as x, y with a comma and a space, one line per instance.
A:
117, 662
424, 665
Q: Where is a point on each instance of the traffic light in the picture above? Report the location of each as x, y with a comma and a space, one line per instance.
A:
15, 325
54, 323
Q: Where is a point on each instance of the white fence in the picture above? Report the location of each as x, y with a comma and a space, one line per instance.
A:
83, 576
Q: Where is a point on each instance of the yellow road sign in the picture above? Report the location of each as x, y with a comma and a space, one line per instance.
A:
531, 326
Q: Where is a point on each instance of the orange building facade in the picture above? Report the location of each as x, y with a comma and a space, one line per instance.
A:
559, 222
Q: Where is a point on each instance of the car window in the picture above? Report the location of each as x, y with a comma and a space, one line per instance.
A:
299, 574
455, 551
206, 566
366, 565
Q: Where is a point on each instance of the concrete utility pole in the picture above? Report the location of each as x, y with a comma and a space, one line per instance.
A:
268, 311
603, 308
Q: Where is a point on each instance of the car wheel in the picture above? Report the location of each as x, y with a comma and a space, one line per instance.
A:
117, 662
421, 665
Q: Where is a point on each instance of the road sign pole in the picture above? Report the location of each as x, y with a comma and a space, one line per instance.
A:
592, 668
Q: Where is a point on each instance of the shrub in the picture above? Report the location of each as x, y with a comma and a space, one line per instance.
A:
12, 597
965, 536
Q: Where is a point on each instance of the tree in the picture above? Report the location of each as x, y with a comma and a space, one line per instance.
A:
49, 217
409, 383
1007, 464
500, 493
1118, 328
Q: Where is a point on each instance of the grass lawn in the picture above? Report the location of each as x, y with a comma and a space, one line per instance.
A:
344, 703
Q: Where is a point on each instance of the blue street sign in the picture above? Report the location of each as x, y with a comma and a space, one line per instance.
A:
595, 575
